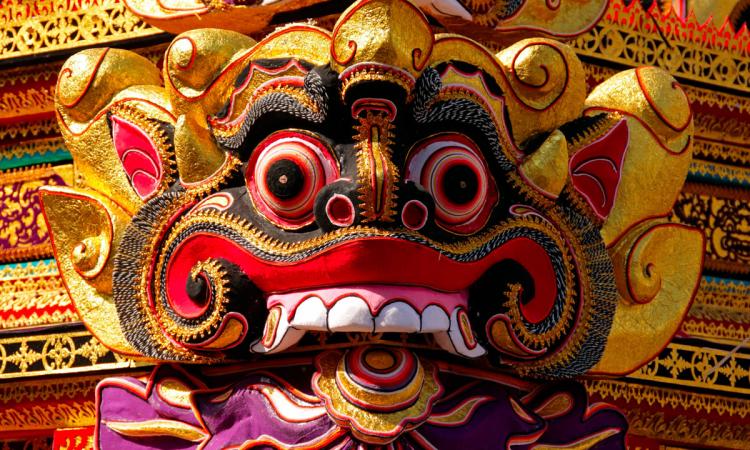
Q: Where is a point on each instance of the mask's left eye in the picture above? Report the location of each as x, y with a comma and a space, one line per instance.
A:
284, 175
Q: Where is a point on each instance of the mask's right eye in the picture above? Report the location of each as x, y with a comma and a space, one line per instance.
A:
284, 175
451, 168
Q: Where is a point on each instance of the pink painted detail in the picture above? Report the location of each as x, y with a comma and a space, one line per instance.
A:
220, 201
414, 215
596, 169
138, 155
376, 296
340, 210
374, 104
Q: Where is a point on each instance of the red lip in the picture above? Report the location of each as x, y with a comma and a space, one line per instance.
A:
369, 260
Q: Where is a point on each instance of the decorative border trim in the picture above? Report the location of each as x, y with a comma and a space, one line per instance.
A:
56, 354
33, 294
686, 48
76, 24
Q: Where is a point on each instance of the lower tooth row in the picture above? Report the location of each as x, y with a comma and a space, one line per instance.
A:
351, 314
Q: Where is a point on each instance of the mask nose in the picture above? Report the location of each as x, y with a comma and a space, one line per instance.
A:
377, 176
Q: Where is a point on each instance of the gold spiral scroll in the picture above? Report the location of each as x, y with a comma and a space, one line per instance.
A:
86, 228
657, 270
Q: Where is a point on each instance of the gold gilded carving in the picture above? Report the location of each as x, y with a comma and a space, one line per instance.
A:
657, 267
689, 430
722, 300
690, 418
51, 25
733, 333
56, 354
717, 171
29, 129
33, 294
29, 101
699, 367
48, 416
31, 147
668, 398
685, 48
84, 256
721, 151
405, 44
723, 215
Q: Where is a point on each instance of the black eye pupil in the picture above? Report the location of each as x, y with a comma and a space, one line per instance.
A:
460, 184
284, 179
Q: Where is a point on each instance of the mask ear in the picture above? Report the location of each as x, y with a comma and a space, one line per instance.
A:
657, 264
117, 123
596, 169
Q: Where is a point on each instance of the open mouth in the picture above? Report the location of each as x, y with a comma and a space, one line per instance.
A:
369, 309
369, 280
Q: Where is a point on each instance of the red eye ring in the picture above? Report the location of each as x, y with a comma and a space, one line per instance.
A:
451, 168
284, 175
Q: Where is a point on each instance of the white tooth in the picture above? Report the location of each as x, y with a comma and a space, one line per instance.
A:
350, 314
397, 317
434, 319
310, 315
285, 336
454, 342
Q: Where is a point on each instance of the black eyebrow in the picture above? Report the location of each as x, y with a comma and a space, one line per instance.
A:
275, 102
425, 111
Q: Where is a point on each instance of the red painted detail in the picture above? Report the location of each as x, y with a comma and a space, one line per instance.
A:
340, 210
414, 215
138, 155
596, 169
72, 438
537, 263
395, 377
359, 261
192, 308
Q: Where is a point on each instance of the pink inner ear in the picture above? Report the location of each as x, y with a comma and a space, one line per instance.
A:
138, 155
596, 169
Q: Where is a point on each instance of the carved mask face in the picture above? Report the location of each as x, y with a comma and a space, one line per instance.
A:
318, 189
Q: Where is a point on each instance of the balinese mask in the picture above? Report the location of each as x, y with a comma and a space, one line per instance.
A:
407, 208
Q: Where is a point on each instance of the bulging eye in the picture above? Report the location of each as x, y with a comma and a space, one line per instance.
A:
451, 168
284, 175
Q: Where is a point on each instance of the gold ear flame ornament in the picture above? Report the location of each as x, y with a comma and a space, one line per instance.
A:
657, 264
84, 251
657, 269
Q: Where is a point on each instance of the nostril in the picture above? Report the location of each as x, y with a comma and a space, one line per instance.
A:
340, 210
414, 215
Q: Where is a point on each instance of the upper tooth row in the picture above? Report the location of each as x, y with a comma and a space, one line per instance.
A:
351, 314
